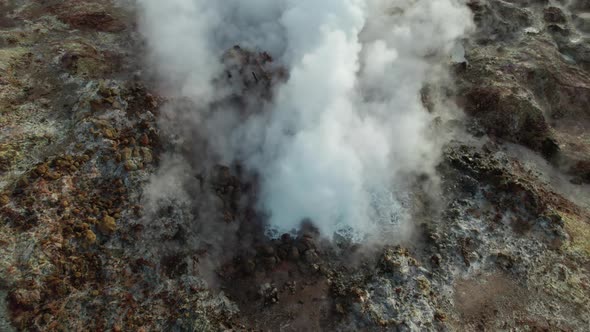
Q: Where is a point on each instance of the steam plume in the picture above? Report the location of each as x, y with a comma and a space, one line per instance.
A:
343, 136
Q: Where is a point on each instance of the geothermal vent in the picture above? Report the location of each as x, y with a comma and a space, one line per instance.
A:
294, 165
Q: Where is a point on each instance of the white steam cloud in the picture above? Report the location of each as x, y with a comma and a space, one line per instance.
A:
342, 137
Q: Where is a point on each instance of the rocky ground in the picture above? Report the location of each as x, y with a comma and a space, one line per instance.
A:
81, 135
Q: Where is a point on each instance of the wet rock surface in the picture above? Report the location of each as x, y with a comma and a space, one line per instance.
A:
81, 135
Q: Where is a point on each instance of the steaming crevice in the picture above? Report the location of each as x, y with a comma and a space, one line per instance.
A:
342, 134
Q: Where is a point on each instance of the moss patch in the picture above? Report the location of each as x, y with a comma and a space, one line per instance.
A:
9, 55
580, 234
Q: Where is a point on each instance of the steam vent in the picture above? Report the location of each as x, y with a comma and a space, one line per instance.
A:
294, 165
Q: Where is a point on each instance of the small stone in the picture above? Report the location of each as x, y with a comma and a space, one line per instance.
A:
23, 182
311, 256
440, 316
267, 251
505, 260
269, 293
130, 166
126, 153
26, 298
107, 225
53, 175
42, 169
249, 266
147, 156
270, 261
423, 283
109, 133
144, 140
90, 237
294, 253
554, 15
4, 199
436, 259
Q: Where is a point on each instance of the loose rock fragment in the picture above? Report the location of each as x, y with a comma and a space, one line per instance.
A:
107, 225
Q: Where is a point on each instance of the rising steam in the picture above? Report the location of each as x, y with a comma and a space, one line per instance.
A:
344, 135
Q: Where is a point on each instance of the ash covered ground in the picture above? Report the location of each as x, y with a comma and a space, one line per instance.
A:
115, 216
